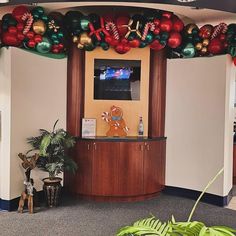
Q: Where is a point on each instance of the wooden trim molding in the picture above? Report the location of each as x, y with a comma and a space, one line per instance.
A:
157, 94
75, 89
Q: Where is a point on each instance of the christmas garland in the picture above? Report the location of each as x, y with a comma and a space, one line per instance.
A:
49, 34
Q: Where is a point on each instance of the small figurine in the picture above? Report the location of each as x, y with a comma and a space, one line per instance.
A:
116, 122
28, 163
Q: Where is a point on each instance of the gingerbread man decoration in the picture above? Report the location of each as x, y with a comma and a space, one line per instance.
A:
116, 122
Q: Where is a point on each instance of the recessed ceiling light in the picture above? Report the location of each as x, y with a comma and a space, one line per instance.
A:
186, 1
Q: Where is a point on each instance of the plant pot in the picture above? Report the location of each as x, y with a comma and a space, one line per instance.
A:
52, 190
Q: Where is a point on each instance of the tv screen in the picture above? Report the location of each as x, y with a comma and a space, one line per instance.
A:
117, 79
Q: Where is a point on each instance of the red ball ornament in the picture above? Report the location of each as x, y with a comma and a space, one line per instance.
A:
134, 43
178, 25
10, 39
18, 12
31, 43
121, 48
174, 40
120, 22
234, 60
205, 31
38, 38
156, 45
166, 25
30, 34
222, 37
167, 14
108, 17
20, 26
124, 41
20, 36
60, 46
215, 46
157, 22
12, 30
157, 31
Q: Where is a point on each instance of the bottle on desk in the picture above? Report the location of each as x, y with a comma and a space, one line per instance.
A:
140, 126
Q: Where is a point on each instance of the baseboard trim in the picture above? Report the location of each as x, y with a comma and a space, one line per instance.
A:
194, 194
12, 205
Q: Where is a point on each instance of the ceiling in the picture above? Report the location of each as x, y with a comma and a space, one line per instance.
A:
190, 12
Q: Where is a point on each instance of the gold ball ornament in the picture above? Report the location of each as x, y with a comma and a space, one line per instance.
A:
75, 39
39, 27
203, 51
85, 39
198, 46
205, 42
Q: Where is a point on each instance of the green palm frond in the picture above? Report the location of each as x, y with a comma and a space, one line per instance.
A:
58, 138
44, 144
148, 226
188, 228
69, 141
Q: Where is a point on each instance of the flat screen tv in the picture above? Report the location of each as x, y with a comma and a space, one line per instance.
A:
117, 79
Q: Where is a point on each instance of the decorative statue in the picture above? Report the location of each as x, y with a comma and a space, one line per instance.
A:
28, 164
116, 122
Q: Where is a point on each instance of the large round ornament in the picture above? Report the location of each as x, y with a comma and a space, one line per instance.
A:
206, 31
44, 46
188, 51
39, 27
166, 24
174, 40
178, 24
215, 46
121, 22
18, 12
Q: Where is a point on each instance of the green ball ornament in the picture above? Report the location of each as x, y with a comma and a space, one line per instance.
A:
7, 17
84, 23
188, 51
190, 37
44, 18
44, 46
131, 37
97, 43
55, 41
105, 46
164, 35
149, 38
89, 47
142, 44
36, 16
232, 50
12, 22
195, 31
60, 35
196, 39
5, 26
158, 37
54, 36
39, 10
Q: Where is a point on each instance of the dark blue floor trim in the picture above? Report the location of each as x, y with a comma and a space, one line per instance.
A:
12, 205
193, 194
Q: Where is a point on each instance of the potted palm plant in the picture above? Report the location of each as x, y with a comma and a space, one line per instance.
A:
53, 147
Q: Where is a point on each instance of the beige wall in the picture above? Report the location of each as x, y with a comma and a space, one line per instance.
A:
199, 122
38, 99
131, 109
5, 128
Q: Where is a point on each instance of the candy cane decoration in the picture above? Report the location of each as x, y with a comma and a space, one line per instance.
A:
27, 16
148, 26
111, 26
221, 28
105, 116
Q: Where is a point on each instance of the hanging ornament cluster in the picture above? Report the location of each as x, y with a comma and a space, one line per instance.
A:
207, 40
122, 32
35, 30
32, 29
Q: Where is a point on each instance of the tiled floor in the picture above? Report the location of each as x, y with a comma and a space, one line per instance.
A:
232, 204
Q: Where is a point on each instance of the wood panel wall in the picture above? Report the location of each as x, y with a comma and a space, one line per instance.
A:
157, 94
75, 89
